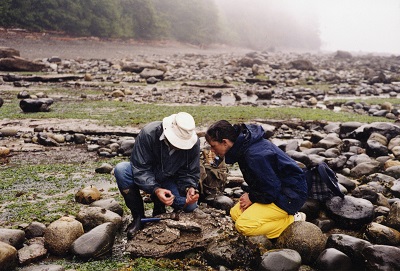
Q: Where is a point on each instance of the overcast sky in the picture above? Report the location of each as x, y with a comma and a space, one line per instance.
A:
354, 25
359, 25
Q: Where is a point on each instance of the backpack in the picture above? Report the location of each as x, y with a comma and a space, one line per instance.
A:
322, 182
213, 174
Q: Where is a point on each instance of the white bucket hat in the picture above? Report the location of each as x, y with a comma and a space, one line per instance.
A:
179, 129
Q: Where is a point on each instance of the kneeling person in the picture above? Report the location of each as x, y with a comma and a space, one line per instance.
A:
165, 163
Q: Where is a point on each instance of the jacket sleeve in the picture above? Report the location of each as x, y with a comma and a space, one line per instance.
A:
142, 162
189, 175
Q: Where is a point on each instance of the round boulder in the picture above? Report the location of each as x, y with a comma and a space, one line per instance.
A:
304, 237
60, 234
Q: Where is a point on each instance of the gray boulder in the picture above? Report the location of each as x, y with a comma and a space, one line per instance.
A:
96, 243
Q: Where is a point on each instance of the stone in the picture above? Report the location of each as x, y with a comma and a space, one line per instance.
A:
234, 252
91, 217
12, 237
304, 237
393, 218
8, 257
60, 234
350, 212
31, 253
380, 257
104, 168
349, 245
96, 243
87, 195
35, 229
8, 52
36, 105
109, 204
4, 151
333, 259
382, 235
8, 131
44, 267
280, 260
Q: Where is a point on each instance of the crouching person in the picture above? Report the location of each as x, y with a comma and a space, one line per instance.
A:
277, 187
165, 164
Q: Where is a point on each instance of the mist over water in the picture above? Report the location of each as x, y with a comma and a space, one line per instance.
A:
360, 26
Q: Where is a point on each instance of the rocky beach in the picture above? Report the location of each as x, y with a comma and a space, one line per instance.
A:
359, 232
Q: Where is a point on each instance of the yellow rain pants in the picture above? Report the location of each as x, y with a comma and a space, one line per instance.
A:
261, 219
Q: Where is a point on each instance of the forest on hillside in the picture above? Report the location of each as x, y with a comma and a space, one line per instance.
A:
261, 26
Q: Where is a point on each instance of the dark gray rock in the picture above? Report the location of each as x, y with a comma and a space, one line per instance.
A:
35, 229
96, 243
36, 105
332, 259
380, 257
12, 237
234, 252
349, 245
350, 212
280, 260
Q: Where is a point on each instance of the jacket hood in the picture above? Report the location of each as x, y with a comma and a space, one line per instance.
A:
250, 133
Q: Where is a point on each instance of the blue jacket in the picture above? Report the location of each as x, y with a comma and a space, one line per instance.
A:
272, 176
152, 164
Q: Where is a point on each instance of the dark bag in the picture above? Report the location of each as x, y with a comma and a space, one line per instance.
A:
213, 174
322, 182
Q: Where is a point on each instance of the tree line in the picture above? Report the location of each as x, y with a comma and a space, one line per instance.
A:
192, 21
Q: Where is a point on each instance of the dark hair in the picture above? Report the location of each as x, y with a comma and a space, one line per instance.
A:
222, 129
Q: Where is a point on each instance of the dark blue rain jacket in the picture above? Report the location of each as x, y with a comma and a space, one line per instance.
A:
272, 176
152, 164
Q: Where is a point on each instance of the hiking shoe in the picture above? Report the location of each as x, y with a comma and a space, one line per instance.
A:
299, 216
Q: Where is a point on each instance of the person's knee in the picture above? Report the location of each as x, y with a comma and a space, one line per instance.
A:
121, 174
242, 227
120, 168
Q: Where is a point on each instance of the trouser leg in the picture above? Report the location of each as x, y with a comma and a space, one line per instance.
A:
261, 219
131, 194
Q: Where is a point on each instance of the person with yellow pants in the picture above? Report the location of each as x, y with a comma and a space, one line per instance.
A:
277, 187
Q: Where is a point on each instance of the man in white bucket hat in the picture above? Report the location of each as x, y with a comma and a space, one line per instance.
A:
165, 163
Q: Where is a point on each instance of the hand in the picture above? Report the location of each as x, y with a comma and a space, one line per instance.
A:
192, 196
165, 196
244, 202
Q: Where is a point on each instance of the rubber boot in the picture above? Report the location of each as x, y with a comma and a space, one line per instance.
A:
159, 207
134, 202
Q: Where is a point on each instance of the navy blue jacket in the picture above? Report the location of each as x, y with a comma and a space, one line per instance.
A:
272, 176
152, 164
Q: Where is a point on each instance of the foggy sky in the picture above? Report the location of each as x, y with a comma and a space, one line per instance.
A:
360, 25
364, 26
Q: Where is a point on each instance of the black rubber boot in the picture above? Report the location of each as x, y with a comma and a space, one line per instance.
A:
159, 207
134, 202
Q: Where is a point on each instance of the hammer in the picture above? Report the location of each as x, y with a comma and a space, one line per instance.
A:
173, 216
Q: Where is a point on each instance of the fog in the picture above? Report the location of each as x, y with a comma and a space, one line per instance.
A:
360, 26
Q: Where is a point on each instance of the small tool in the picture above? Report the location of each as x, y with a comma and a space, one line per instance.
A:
173, 216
